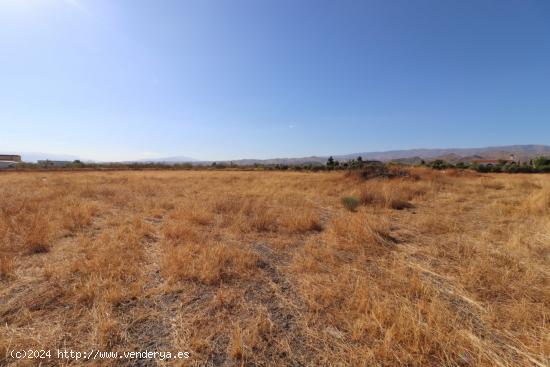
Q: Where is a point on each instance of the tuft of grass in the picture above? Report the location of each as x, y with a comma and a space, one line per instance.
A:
37, 237
237, 348
392, 194
351, 203
7, 267
78, 216
106, 328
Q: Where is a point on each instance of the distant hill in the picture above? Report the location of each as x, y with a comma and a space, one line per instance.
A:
413, 156
522, 152
409, 156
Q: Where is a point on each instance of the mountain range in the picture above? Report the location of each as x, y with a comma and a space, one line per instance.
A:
412, 156
408, 156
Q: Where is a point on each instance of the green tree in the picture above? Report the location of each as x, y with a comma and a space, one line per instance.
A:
330, 162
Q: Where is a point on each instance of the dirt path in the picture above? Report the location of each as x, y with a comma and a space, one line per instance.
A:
150, 318
277, 294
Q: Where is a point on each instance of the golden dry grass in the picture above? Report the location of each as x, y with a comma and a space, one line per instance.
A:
269, 268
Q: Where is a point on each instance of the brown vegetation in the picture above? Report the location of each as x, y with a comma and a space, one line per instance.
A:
278, 268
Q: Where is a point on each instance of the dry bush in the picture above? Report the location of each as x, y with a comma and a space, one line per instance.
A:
392, 194
236, 348
77, 216
37, 236
372, 194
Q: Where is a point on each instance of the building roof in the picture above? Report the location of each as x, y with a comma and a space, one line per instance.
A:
10, 157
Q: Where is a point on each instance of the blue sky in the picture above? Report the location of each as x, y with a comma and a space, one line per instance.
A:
228, 79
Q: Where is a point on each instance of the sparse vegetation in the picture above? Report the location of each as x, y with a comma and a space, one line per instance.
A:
415, 267
358, 166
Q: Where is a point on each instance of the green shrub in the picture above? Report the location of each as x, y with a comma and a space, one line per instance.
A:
439, 164
350, 203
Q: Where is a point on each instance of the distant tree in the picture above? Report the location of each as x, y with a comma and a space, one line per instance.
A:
77, 163
439, 164
542, 164
331, 163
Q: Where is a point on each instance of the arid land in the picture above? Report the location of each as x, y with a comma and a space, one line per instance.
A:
270, 268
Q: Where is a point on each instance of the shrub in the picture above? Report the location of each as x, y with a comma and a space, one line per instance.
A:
374, 171
439, 164
541, 162
372, 195
391, 194
350, 203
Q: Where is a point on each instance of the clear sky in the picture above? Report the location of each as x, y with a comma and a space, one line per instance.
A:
228, 79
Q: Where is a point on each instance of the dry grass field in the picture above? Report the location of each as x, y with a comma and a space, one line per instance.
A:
271, 268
